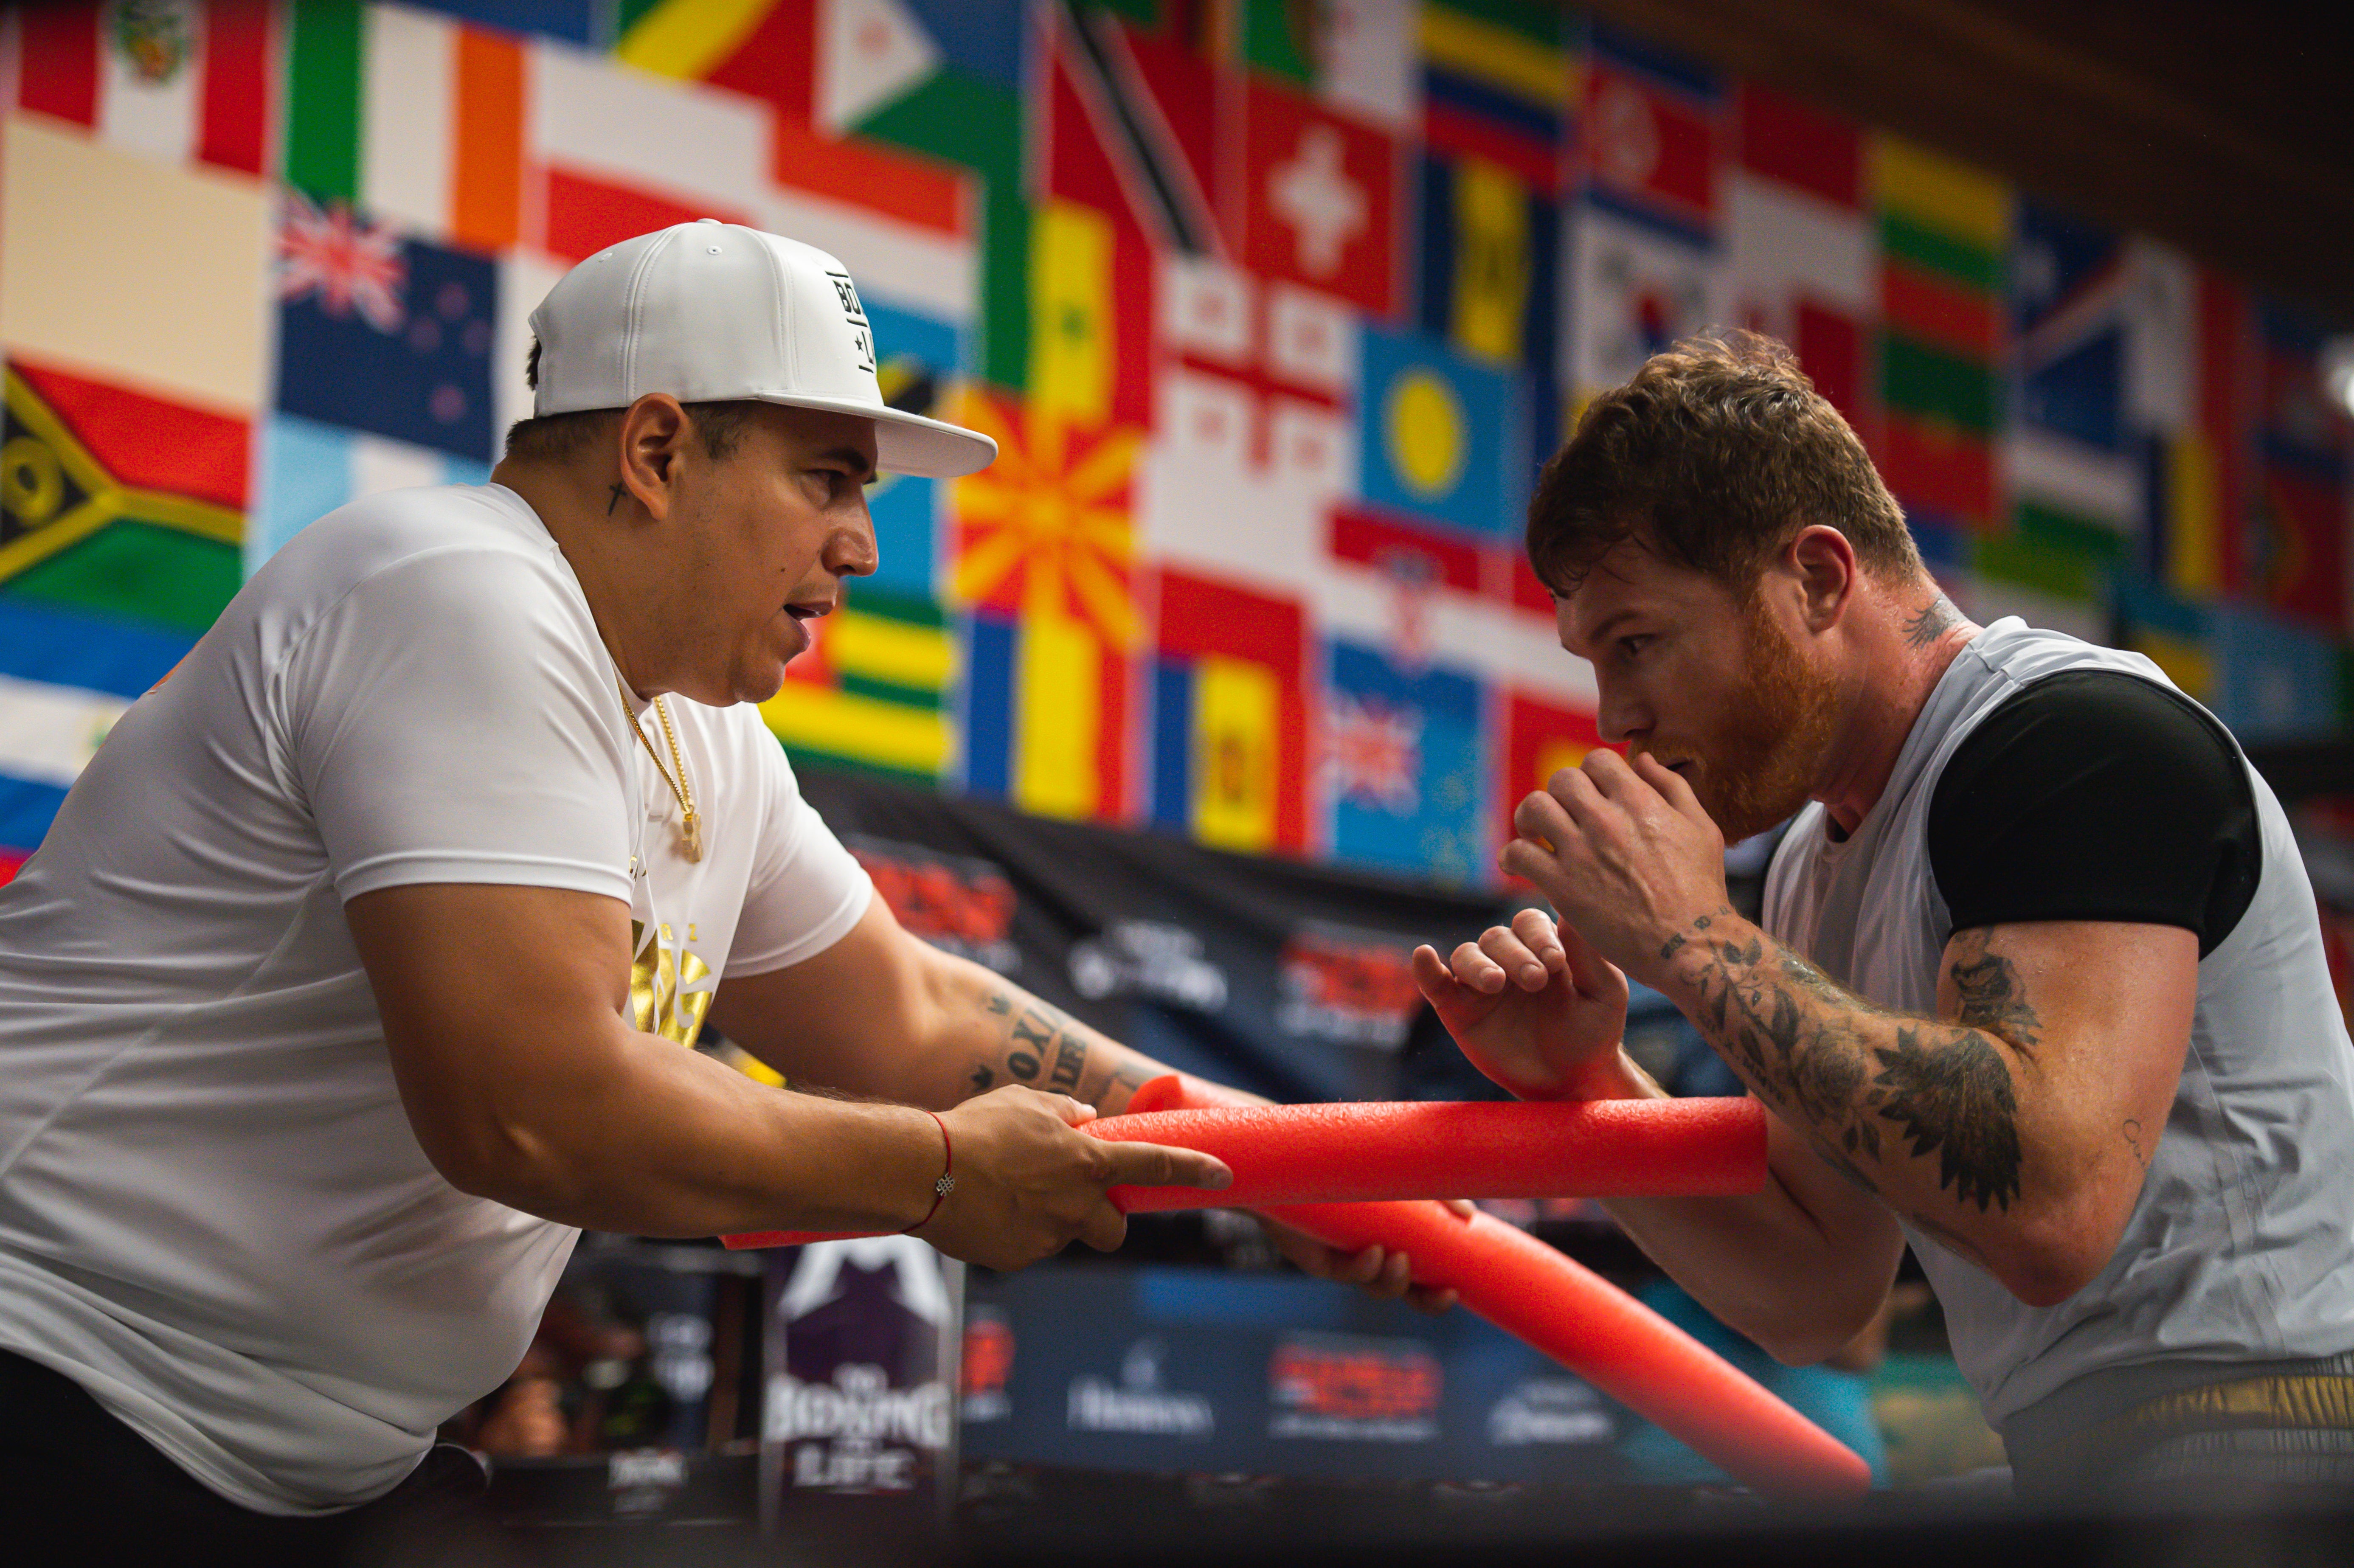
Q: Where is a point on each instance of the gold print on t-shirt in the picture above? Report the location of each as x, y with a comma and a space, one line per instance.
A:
669, 992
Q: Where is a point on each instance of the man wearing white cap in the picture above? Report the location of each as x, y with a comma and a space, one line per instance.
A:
358, 970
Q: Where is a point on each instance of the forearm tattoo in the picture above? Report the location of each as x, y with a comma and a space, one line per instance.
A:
1045, 1048
1850, 1075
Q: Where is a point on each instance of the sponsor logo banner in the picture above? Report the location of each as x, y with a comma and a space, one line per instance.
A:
1148, 959
1549, 1410
987, 1367
857, 1398
1354, 987
1137, 1402
962, 906
1354, 1390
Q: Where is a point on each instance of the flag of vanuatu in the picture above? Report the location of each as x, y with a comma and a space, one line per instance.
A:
115, 500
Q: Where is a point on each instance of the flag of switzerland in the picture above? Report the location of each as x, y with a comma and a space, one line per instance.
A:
1319, 198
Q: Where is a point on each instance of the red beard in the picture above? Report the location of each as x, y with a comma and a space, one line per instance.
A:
1764, 759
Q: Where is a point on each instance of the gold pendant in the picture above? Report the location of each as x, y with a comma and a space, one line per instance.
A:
691, 828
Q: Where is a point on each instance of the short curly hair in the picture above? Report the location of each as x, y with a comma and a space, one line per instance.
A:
1716, 453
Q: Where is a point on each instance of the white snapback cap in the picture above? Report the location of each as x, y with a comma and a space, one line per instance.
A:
710, 312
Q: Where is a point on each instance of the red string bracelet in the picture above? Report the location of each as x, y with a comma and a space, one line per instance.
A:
947, 1183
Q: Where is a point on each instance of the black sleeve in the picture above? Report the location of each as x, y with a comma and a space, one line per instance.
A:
2094, 795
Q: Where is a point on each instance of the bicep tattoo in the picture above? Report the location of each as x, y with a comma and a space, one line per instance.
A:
1992, 997
1815, 1052
1952, 1097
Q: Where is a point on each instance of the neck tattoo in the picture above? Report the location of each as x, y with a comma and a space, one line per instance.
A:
615, 502
1932, 623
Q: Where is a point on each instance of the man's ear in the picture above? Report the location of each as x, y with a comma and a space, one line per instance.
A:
1823, 564
652, 438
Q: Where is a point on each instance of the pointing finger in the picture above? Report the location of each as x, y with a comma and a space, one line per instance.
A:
1163, 1165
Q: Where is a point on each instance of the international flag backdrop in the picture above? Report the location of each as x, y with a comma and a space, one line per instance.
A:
310, 468
1274, 308
1645, 256
1499, 83
1801, 258
1439, 434
873, 692
1230, 715
2069, 461
180, 83
120, 520
383, 334
118, 503
2297, 551
1945, 238
1406, 765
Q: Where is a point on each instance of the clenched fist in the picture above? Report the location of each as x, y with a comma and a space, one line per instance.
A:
1626, 853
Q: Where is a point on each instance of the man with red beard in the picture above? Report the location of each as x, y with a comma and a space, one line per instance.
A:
2039, 987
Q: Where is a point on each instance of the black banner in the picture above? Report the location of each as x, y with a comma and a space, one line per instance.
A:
1169, 1369
1290, 979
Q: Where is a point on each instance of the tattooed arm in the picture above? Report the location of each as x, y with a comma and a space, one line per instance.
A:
883, 1016
1800, 1267
2013, 1126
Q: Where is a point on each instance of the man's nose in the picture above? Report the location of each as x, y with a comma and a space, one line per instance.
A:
852, 552
1619, 719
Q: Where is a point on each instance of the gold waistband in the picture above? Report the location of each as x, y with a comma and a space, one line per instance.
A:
2307, 1401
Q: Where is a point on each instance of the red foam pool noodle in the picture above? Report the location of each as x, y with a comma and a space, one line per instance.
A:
1598, 1331
1369, 1152
1355, 1153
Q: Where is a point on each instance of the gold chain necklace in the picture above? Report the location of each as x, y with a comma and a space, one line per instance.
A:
681, 790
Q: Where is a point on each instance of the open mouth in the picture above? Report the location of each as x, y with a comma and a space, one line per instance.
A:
813, 610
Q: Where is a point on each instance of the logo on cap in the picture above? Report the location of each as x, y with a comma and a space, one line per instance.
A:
862, 335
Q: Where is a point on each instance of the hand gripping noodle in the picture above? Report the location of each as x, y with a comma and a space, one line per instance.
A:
1369, 1152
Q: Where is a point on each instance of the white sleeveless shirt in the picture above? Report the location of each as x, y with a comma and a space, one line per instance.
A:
2241, 1247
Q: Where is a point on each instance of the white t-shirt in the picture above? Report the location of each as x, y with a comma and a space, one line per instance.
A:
214, 1215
